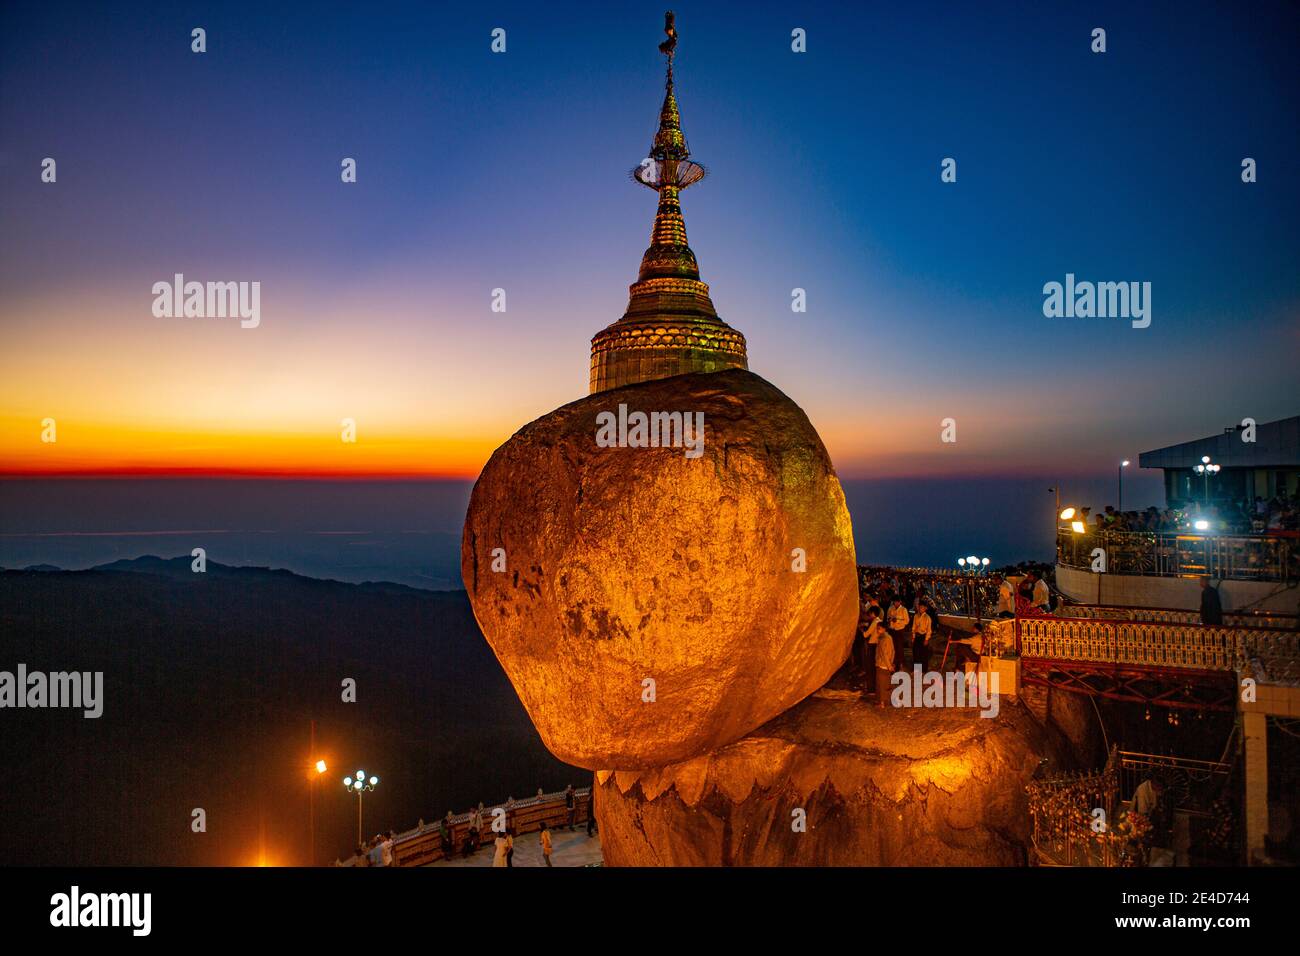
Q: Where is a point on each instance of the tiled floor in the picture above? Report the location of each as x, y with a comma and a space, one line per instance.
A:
569, 849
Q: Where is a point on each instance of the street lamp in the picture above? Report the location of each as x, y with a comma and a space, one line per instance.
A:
1120, 506
320, 768
1074, 518
972, 564
1205, 469
359, 785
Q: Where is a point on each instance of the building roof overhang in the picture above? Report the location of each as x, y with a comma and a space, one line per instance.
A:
1276, 445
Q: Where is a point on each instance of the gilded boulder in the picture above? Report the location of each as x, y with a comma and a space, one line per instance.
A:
655, 600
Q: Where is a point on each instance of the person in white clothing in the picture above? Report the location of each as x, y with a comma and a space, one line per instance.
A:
1006, 598
1146, 799
1042, 597
870, 637
896, 622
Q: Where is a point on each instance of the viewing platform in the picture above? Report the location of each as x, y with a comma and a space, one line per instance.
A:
422, 845
1151, 569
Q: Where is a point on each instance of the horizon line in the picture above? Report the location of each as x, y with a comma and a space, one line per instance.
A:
252, 474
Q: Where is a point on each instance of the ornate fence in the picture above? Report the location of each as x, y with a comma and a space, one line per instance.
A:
1168, 615
1082, 819
1153, 644
1067, 830
1191, 786
422, 844
1235, 557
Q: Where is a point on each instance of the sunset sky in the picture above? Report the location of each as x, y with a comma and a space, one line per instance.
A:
478, 171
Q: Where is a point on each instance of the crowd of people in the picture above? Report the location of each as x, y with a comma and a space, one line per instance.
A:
994, 594
899, 627
506, 830
1274, 515
898, 624
378, 850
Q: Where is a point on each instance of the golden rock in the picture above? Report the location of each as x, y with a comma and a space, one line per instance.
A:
650, 606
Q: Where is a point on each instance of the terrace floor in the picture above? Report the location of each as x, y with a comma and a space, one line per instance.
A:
568, 849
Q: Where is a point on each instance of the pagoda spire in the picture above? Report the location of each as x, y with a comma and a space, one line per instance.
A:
670, 326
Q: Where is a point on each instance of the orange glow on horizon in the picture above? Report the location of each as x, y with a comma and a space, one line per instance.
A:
106, 451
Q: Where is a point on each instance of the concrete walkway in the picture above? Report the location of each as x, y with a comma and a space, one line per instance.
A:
568, 849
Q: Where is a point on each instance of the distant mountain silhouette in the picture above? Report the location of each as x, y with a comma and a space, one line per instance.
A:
181, 569
210, 680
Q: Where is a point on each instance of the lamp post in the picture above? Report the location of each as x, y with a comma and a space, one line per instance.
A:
1074, 518
973, 566
1120, 506
318, 768
359, 786
1205, 469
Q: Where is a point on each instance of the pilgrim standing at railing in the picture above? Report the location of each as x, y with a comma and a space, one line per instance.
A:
1042, 595
1211, 609
1006, 598
445, 838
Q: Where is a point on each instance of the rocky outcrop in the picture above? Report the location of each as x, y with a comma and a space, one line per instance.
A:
892, 787
647, 605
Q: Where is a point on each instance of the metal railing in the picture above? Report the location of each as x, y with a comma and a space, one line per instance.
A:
954, 593
1171, 615
423, 844
1232, 557
1154, 644
1190, 786
1062, 810
1068, 831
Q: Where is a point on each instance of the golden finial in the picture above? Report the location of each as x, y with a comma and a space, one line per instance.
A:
669, 46
670, 326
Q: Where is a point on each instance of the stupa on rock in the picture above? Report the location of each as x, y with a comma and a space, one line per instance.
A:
669, 620
649, 603
670, 326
